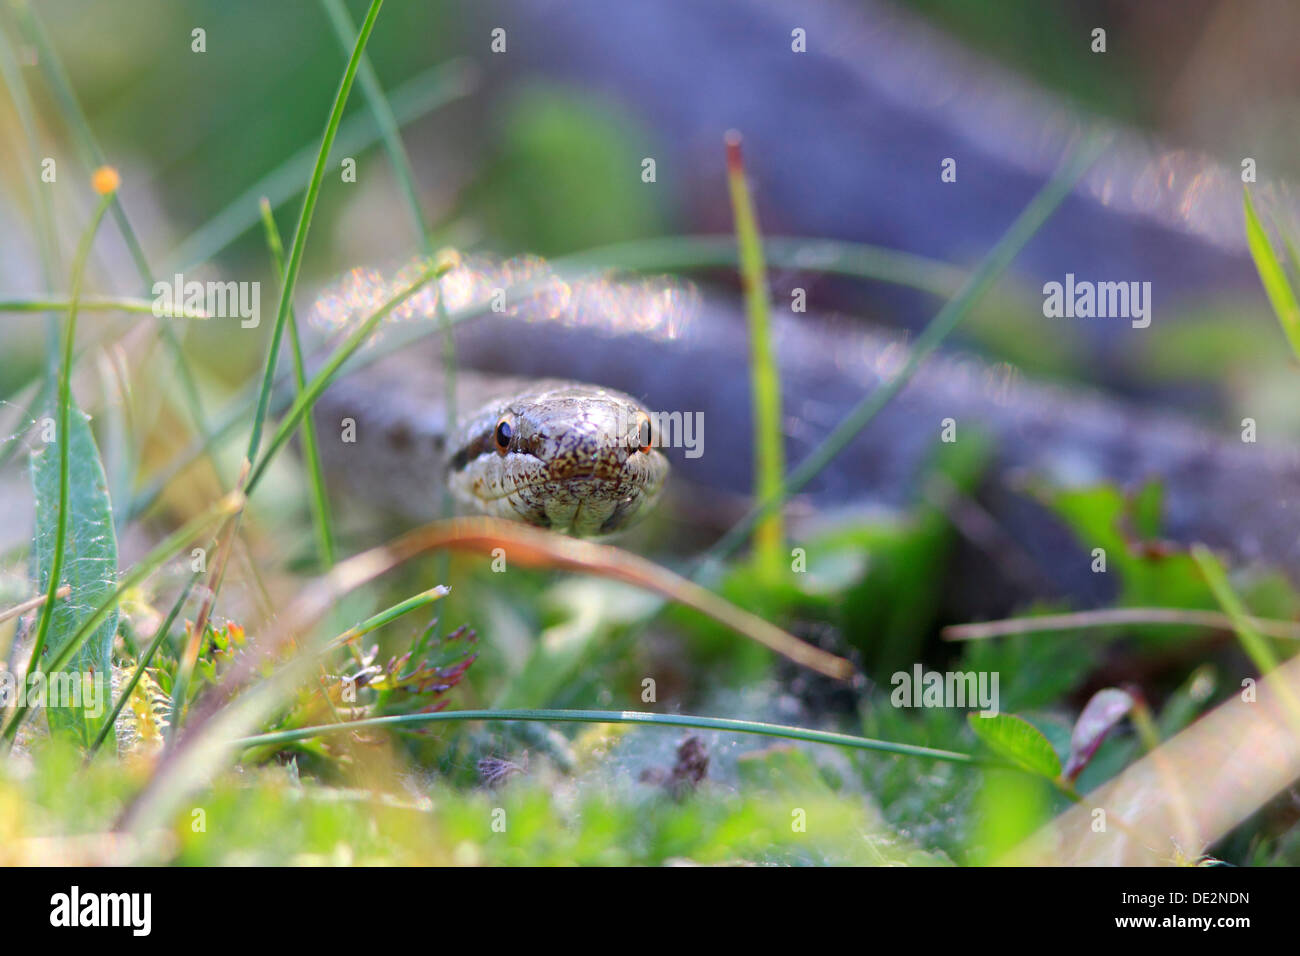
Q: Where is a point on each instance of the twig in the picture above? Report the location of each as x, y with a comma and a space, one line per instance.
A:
1108, 617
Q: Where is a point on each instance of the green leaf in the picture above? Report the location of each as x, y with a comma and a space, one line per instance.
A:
1019, 741
1102, 516
89, 568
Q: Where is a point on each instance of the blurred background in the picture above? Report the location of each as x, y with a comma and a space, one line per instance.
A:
506, 146
527, 123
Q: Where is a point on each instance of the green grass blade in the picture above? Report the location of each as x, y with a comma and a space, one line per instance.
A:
390, 614
95, 304
765, 383
1272, 273
63, 411
723, 724
857, 260
320, 509
401, 163
949, 317
418, 97
304, 225
373, 91
1252, 642
145, 659
307, 397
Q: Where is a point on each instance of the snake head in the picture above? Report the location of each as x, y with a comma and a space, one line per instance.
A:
570, 457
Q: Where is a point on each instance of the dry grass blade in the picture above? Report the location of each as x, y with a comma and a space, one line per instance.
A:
532, 547
31, 604
1188, 793
223, 718
1112, 617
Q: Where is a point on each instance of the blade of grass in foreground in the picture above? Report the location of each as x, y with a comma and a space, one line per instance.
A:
63, 436
1252, 642
1272, 273
533, 547
388, 615
231, 713
858, 260
1115, 617
145, 659
386, 122
304, 223
726, 725
401, 163
245, 483
949, 317
97, 304
142, 569
320, 508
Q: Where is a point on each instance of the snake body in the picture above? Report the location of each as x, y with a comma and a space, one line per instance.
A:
1243, 498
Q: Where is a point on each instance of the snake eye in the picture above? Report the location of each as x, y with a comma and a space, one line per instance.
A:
643, 433
502, 435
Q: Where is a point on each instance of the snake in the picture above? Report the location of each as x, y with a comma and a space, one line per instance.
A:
562, 455
555, 453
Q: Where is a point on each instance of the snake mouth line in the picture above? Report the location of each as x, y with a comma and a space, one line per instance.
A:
537, 482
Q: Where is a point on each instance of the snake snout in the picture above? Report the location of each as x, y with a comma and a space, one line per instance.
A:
588, 455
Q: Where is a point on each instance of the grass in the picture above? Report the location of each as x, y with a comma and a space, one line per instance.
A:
320, 508
248, 474
618, 717
765, 382
275, 700
418, 97
943, 324
63, 439
299, 244
141, 570
1272, 274
93, 157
